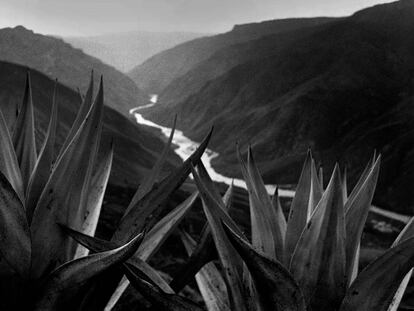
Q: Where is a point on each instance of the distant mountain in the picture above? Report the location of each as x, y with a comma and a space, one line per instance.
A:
158, 71
126, 50
136, 148
344, 89
71, 66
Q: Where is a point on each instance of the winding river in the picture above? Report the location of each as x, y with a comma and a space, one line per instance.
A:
186, 147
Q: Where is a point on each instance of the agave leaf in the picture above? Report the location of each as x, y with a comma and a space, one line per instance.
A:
81, 96
213, 194
77, 218
209, 184
159, 233
318, 263
24, 136
95, 199
204, 252
267, 223
137, 217
149, 274
86, 104
92, 243
406, 233
209, 280
117, 294
228, 197
230, 261
96, 192
399, 294
64, 197
279, 211
144, 271
159, 299
355, 270
344, 186
299, 211
316, 190
151, 178
276, 288
156, 237
320, 173
76, 272
384, 275
9, 166
15, 243
11, 117
44, 163
224, 203
361, 180
98, 245
357, 209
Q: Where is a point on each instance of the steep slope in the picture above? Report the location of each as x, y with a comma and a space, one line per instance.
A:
71, 66
227, 58
344, 90
126, 50
136, 148
158, 71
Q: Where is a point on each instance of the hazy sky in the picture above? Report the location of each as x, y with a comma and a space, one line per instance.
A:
88, 17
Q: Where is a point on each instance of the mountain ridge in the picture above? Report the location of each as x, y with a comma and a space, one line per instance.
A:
129, 49
71, 66
157, 72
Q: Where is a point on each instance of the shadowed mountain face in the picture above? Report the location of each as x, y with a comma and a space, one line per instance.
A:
343, 89
158, 71
124, 51
71, 66
135, 147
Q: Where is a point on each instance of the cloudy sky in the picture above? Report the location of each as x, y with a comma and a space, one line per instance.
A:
89, 17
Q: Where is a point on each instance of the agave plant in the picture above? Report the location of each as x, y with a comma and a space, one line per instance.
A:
47, 198
307, 262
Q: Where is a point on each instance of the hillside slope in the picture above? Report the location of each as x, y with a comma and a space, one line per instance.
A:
158, 71
71, 66
126, 50
343, 90
227, 58
136, 148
